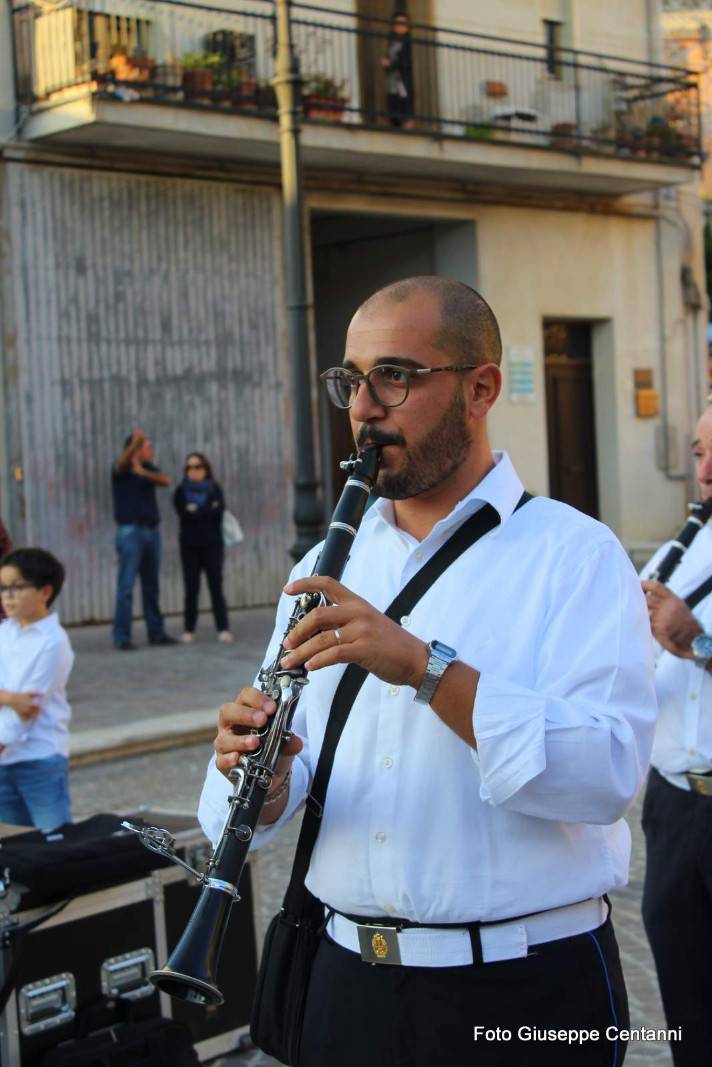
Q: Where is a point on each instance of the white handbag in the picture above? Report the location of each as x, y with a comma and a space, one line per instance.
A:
231, 530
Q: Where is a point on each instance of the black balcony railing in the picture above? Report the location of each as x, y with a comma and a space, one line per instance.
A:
462, 85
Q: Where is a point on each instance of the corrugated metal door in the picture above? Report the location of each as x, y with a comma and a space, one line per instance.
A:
148, 302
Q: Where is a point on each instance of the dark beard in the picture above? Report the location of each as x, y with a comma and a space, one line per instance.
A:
433, 459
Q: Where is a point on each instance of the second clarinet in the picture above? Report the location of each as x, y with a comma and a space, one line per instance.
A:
700, 512
191, 971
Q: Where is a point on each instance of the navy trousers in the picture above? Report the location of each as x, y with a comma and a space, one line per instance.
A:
359, 1013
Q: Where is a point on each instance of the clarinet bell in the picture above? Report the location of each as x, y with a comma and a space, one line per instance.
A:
191, 970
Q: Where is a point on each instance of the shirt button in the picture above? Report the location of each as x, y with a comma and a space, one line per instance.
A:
388, 762
694, 696
380, 837
418, 555
405, 620
394, 690
692, 752
390, 908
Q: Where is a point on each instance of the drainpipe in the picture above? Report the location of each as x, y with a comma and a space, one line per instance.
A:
693, 302
308, 512
665, 463
653, 24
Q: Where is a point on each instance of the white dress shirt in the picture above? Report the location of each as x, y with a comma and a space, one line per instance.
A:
417, 824
683, 736
36, 658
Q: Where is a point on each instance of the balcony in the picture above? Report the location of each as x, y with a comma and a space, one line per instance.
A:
189, 79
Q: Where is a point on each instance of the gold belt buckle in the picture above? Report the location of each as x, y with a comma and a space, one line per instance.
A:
379, 944
700, 783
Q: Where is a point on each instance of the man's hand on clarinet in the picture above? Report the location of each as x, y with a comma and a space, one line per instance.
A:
671, 621
251, 710
350, 630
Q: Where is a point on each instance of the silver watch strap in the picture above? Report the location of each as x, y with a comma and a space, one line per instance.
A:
433, 673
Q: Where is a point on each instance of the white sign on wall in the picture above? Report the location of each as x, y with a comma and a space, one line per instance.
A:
521, 369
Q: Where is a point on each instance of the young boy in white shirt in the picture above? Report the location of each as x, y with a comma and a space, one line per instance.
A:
35, 662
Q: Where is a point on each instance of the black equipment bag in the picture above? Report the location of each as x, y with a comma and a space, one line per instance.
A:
293, 935
149, 1043
75, 858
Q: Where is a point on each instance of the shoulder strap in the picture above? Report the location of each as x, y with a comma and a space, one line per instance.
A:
699, 594
354, 676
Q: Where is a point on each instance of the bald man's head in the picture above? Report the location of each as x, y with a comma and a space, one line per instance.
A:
468, 329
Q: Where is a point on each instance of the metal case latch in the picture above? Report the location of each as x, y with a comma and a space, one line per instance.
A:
127, 975
48, 1003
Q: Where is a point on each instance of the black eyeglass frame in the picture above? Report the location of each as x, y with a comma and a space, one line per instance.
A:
17, 587
355, 378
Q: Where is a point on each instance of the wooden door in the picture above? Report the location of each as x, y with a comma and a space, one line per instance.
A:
372, 43
570, 418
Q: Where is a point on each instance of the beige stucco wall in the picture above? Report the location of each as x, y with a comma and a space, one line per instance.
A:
541, 264
605, 26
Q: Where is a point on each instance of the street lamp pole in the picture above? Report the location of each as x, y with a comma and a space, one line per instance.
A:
308, 511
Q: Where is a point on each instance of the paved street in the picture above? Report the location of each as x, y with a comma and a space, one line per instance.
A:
107, 686
160, 683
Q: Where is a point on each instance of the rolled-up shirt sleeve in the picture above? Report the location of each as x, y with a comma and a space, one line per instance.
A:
576, 745
12, 728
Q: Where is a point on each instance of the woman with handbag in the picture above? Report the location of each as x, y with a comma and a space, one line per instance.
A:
200, 505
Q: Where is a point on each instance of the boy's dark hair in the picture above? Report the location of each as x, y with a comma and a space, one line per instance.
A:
38, 567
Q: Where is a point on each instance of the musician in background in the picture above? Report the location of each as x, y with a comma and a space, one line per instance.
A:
677, 811
482, 777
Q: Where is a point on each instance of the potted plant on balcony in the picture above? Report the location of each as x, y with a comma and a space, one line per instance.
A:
243, 90
479, 131
265, 96
324, 98
136, 69
563, 135
200, 70
168, 78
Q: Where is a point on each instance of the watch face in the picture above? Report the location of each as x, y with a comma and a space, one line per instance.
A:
702, 646
445, 651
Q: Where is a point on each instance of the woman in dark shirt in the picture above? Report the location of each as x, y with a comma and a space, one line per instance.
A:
200, 505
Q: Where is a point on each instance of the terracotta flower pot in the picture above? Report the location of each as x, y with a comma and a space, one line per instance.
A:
132, 68
197, 82
324, 107
563, 135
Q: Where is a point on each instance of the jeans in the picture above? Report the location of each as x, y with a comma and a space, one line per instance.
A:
209, 558
35, 792
139, 552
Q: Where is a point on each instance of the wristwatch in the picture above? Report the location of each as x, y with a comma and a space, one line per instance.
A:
441, 656
701, 648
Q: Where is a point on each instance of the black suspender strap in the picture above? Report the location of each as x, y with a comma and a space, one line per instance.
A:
484, 520
699, 594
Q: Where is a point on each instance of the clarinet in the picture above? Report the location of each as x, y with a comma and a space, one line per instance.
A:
700, 513
191, 971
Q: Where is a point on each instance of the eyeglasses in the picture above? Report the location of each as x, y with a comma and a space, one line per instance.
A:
388, 384
195, 467
10, 590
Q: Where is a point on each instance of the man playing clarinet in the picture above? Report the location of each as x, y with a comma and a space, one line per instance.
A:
677, 811
473, 821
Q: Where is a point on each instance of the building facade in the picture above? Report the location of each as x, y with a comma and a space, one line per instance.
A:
552, 161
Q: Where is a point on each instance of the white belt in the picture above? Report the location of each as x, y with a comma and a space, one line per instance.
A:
443, 947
